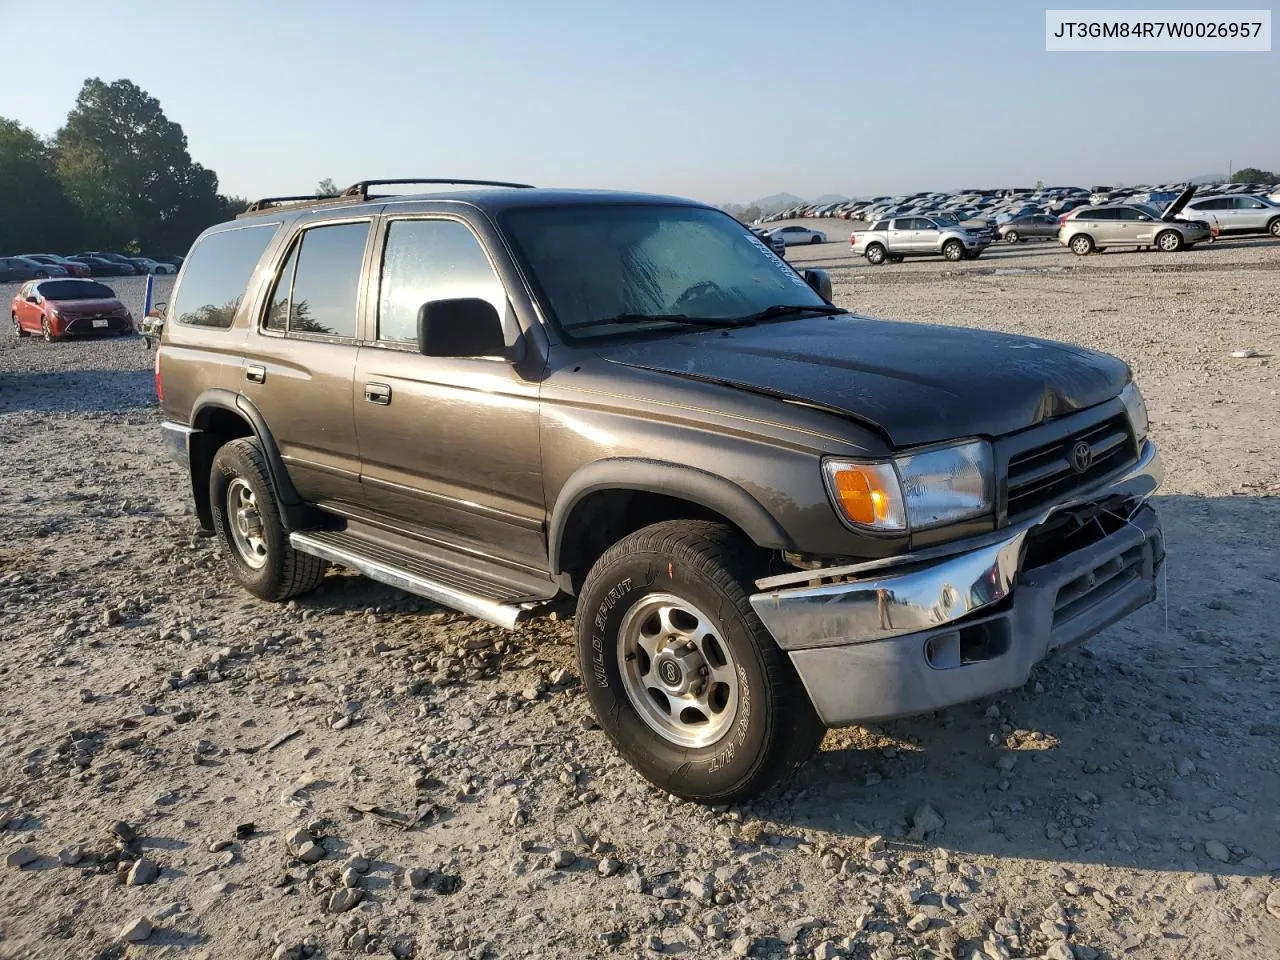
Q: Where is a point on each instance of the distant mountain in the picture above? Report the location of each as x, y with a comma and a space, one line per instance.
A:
776, 201
831, 198
1209, 178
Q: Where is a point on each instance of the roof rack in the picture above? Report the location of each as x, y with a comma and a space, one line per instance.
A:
361, 190
265, 202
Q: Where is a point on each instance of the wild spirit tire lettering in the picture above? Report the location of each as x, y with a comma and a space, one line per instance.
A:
616, 592
739, 736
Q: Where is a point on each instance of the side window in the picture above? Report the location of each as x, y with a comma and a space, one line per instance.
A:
1111, 214
218, 269
430, 260
1248, 203
881, 225
326, 280
1128, 213
278, 310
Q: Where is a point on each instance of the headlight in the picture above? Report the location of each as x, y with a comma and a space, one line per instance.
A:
1136, 407
915, 490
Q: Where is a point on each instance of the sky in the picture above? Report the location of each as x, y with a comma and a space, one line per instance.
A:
720, 100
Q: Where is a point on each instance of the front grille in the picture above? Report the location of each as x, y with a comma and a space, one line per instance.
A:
85, 325
1044, 475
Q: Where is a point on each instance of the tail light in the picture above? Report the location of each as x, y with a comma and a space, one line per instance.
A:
852, 237
159, 383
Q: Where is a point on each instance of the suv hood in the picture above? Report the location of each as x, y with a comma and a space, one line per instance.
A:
915, 383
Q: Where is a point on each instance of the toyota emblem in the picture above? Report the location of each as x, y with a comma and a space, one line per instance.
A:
1081, 457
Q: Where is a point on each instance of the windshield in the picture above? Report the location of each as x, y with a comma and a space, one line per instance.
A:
1149, 210
601, 268
75, 290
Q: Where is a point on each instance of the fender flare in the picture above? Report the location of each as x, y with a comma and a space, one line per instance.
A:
221, 398
673, 480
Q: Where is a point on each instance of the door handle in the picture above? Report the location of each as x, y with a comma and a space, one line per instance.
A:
255, 373
377, 393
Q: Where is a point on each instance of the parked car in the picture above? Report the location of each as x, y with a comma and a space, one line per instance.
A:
1240, 214
580, 396
127, 267
72, 267
20, 268
1093, 229
59, 308
1038, 226
148, 265
893, 240
775, 243
794, 235
98, 267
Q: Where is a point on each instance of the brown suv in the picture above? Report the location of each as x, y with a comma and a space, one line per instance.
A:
774, 515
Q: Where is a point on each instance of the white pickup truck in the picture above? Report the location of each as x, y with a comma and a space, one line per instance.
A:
892, 240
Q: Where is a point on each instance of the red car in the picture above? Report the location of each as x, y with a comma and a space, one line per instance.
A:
58, 308
73, 269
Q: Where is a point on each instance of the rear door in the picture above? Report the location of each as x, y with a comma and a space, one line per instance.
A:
301, 357
1250, 213
449, 446
1106, 228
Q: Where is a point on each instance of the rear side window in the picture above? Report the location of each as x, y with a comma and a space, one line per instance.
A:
881, 225
218, 269
431, 260
317, 292
1105, 215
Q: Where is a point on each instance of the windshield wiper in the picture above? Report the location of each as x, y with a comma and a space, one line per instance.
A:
627, 318
788, 309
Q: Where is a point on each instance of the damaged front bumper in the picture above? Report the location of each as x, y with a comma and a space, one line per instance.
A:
923, 631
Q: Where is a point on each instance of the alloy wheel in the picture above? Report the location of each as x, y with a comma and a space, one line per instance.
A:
246, 524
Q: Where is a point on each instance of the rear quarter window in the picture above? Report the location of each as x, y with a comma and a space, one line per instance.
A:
217, 272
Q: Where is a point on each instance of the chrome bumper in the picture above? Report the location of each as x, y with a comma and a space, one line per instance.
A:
174, 436
922, 631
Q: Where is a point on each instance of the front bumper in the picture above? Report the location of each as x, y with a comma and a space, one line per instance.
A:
916, 633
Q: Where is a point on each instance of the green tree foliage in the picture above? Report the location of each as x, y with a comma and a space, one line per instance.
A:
1254, 175
327, 188
35, 215
125, 165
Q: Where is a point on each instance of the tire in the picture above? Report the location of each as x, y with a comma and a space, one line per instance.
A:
17, 327
1012, 236
1169, 241
45, 331
255, 544
953, 250
692, 579
1082, 244
813, 240
1273, 228
876, 254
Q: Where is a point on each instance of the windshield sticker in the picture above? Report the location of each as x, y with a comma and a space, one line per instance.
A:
778, 261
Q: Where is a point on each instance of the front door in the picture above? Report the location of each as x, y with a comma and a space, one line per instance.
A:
449, 447
302, 357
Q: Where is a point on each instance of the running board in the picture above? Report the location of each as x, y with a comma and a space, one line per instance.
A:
436, 582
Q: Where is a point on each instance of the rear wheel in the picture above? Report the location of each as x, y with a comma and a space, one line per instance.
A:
1170, 241
682, 675
953, 250
1082, 244
875, 254
246, 520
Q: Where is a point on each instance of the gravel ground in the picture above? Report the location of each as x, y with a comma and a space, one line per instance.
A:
361, 773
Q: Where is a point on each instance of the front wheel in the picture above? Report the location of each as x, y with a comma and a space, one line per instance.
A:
45, 331
1012, 236
247, 522
1170, 241
1273, 228
17, 326
815, 239
682, 675
953, 250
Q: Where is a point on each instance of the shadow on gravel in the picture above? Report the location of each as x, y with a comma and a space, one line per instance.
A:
1151, 747
79, 391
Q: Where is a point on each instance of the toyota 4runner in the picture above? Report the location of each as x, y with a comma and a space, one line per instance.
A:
773, 515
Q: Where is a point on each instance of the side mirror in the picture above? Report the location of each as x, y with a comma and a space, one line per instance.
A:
465, 327
820, 280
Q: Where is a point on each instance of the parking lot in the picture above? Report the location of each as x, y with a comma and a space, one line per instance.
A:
1125, 797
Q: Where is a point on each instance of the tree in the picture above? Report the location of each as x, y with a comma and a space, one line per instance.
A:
125, 165
1254, 175
327, 188
35, 215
